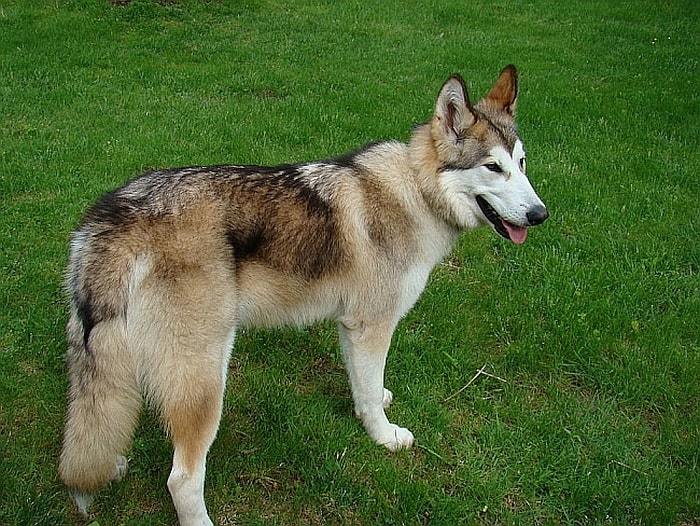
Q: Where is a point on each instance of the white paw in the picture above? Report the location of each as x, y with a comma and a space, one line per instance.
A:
120, 468
387, 399
396, 438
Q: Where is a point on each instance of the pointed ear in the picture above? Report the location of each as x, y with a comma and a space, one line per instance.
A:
453, 110
504, 93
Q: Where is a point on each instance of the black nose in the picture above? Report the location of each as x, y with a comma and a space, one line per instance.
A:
537, 214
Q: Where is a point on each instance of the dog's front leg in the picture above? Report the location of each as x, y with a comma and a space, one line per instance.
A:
365, 347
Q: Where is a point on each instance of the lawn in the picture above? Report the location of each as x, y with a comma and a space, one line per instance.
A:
553, 383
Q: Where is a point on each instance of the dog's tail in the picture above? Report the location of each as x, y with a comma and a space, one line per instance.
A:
104, 397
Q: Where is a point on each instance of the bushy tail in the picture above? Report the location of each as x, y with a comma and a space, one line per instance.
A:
103, 406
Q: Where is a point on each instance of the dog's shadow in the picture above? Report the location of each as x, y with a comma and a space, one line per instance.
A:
284, 381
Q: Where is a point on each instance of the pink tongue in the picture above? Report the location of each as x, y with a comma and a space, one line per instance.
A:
517, 233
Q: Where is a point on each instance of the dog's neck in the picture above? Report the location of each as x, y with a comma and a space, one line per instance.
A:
424, 161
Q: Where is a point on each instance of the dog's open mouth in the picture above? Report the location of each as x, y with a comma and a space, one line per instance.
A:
514, 233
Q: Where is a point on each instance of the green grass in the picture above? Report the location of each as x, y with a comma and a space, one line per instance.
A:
589, 333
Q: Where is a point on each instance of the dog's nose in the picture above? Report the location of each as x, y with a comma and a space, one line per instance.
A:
537, 214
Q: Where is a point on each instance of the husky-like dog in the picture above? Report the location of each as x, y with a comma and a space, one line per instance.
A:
165, 269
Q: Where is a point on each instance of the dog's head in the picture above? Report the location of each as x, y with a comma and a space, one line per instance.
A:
482, 160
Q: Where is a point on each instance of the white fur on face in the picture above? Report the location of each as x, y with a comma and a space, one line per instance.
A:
500, 179
510, 192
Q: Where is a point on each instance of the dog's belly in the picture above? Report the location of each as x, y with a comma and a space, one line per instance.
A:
267, 298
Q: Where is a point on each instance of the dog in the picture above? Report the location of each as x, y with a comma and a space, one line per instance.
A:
165, 269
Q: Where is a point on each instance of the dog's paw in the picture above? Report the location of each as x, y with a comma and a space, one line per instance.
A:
397, 438
121, 466
387, 399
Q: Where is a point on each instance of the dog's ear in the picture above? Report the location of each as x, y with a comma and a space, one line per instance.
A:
504, 93
453, 109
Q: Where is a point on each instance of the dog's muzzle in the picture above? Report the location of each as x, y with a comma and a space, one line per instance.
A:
515, 233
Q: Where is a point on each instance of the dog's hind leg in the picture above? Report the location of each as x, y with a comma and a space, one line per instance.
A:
104, 402
188, 388
186, 347
365, 347
193, 420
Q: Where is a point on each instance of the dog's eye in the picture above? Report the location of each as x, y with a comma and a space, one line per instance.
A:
494, 168
522, 165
